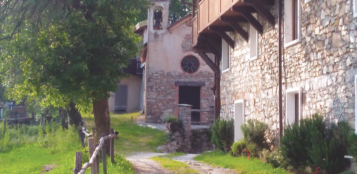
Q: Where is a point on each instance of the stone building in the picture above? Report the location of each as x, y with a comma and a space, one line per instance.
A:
319, 58
173, 74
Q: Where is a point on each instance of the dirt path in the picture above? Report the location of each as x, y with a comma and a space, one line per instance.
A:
143, 165
202, 168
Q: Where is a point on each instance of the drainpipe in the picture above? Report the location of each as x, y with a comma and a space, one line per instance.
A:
280, 72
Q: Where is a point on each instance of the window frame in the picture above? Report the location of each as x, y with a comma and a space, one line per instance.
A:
289, 21
241, 103
256, 45
224, 43
288, 105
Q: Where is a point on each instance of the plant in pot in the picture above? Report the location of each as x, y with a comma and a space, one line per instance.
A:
173, 123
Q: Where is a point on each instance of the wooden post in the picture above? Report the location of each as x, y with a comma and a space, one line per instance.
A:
91, 147
4, 126
111, 146
104, 157
93, 131
78, 163
82, 137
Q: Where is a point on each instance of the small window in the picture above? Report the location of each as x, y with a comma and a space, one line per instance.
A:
158, 18
225, 56
292, 23
190, 64
293, 105
238, 119
253, 43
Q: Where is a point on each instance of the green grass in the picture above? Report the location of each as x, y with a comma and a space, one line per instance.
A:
175, 166
173, 155
240, 164
27, 152
132, 138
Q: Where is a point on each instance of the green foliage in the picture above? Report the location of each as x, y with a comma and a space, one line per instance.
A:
238, 147
274, 158
68, 50
174, 166
239, 164
171, 119
178, 10
223, 134
323, 146
352, 141
254, 133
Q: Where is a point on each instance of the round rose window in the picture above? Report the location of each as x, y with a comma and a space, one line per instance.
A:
190, 64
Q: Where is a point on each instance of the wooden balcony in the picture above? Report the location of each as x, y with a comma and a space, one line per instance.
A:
216, 17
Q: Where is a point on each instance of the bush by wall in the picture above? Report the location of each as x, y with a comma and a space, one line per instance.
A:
316, 145
238, 147
223, 134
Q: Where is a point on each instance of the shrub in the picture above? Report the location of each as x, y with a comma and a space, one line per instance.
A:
254, 149
222, 134
254, 134
314, 144
274, 158
171, 119
238, 147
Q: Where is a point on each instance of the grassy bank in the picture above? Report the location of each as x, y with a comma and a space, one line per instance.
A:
174, 166
132, 138
26, 149
240, 164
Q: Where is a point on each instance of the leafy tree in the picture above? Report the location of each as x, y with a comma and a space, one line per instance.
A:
177, 10
68, 50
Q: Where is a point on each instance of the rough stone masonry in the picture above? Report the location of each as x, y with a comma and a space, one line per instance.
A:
323, 63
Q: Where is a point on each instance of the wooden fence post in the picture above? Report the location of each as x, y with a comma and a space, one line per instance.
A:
78, 163
111, 146
104, 156
82, 137
91, 147
4, 126
93, 131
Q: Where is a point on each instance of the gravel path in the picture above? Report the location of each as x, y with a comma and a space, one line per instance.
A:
143, 165
202, 168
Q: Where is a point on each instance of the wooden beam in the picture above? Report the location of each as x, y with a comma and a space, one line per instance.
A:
209, 62
211, 48
221, 28
215, 44
267, 2
262, 11
250, 18
232, 19
238, 29
224, 36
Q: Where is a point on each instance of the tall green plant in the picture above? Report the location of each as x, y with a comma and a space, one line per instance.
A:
315, 144
254, 132
223, 134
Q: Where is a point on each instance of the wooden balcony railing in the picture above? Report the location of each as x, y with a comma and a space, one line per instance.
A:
210, 10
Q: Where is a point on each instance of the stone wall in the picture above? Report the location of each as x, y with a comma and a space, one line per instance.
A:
162, 95
323, 64
200, 141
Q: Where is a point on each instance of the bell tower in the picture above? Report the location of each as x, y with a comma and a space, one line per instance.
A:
158, 16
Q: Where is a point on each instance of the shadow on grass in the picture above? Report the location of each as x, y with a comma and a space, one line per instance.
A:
132, 137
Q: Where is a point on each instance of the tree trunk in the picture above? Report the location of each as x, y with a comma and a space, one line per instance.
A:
63, 115
102, 119
75, 117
